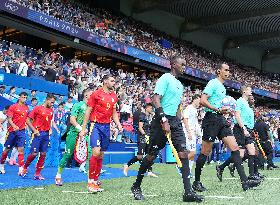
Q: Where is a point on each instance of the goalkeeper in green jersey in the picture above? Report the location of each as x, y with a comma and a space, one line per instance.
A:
76, 120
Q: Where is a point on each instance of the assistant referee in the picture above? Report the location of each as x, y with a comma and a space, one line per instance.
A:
167, 98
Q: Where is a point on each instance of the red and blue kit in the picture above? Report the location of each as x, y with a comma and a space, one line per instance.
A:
18, 113
42, 118
102, 104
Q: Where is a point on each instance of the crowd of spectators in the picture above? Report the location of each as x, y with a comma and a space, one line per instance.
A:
133, 89
143, 36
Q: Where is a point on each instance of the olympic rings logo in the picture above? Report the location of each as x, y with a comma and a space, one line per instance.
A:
11, 7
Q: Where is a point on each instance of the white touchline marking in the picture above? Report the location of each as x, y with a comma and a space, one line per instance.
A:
270, 178
148, 195
75, 192
226, 197
82, 192
39, 188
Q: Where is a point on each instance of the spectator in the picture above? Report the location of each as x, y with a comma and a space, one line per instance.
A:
33, 95
125, 111
34, 102
2, 92
12, 95
69, 104
22, 70
50, 73
60, 115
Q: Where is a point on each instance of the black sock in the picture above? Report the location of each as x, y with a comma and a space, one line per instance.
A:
150, 169
142, 170
256, 164
246, 156
185, 169
269, 160
251, 164
226, 163
132, 161
201, 159
238, 164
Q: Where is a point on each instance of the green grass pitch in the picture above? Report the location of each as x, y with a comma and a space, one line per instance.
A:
167, 189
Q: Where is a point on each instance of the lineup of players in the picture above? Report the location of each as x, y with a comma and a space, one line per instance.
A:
90, 121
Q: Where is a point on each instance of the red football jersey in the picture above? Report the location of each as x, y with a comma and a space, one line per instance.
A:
18, 113
41, 117
102, 106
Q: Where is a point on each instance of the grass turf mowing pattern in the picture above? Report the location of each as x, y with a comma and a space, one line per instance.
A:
167, 189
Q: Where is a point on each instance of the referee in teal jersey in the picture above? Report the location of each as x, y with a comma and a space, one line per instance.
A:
215, 125
243, 133
167, 99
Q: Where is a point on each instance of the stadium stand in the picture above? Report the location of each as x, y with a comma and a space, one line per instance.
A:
140, 35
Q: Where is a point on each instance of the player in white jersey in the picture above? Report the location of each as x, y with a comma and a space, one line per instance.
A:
191, 127
3, 126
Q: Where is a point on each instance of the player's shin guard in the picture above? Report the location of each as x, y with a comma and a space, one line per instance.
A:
200, 162
29, 160
235, 155
185, 170
40, 164
92, 167
142, 170
4, 157
20, 159
251, 164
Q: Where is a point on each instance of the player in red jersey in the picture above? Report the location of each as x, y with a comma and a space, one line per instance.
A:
101, 110
17, 115
40, 122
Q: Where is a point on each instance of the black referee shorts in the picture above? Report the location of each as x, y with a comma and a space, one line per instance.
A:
251, 139
239, 136
215, 125
241, 139
158, 139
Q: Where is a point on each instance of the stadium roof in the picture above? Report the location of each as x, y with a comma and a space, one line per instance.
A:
250, 23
